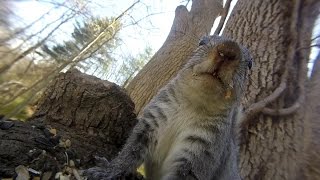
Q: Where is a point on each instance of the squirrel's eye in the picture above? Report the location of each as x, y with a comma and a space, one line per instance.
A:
250, 64
204, 41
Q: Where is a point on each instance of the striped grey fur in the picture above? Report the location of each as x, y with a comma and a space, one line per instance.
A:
187, 129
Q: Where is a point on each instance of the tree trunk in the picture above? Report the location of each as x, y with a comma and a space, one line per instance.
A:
273, 142
187, 29
312, 160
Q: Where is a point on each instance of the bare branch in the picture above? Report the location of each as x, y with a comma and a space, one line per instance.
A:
188, 1
12, 82
40, 84
64, 5
282, 112
21, 30
32, 48
301, 96
39, 32
259, 106
313, 39
292, 50
309, 47
224, 15
295, 106
136, 22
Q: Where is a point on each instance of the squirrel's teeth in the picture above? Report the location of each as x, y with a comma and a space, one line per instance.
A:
228, 94
231, 84
214, 73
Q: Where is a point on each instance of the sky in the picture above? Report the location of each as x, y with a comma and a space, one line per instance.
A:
157, 17
152, 30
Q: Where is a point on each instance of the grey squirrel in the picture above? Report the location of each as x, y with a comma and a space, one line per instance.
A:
187, 129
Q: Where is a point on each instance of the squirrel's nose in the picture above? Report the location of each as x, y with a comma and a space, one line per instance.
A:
229, 51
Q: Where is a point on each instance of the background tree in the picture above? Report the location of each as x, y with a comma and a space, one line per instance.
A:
20, 66
132, 65
99, 55
182, 40
90, 49
4, 20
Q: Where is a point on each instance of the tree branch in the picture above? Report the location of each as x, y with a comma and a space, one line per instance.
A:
301, 83
21, 30
313, 39
259, 106
283, 111
295, 106
224, 15
308, 47
292, 50
6, 67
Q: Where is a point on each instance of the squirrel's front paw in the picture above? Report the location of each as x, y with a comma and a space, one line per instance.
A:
97, 173
101, 161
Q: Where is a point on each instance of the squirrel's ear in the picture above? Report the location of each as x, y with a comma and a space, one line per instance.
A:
205, 40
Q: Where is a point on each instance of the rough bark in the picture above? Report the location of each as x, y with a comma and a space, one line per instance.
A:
272, 143
187, 28
85, 102
95, 116
312, 170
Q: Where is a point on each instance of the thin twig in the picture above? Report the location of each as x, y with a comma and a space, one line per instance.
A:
296, 105
136, 22
308, 47
29, 37
258, 107
21, 30
318, 36
282, 111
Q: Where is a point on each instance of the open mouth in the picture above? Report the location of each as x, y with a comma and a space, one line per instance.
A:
216, 76
216, 70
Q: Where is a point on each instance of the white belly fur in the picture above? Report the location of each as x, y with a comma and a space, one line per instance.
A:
169, 141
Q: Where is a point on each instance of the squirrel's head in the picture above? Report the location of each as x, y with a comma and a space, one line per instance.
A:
219, 66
